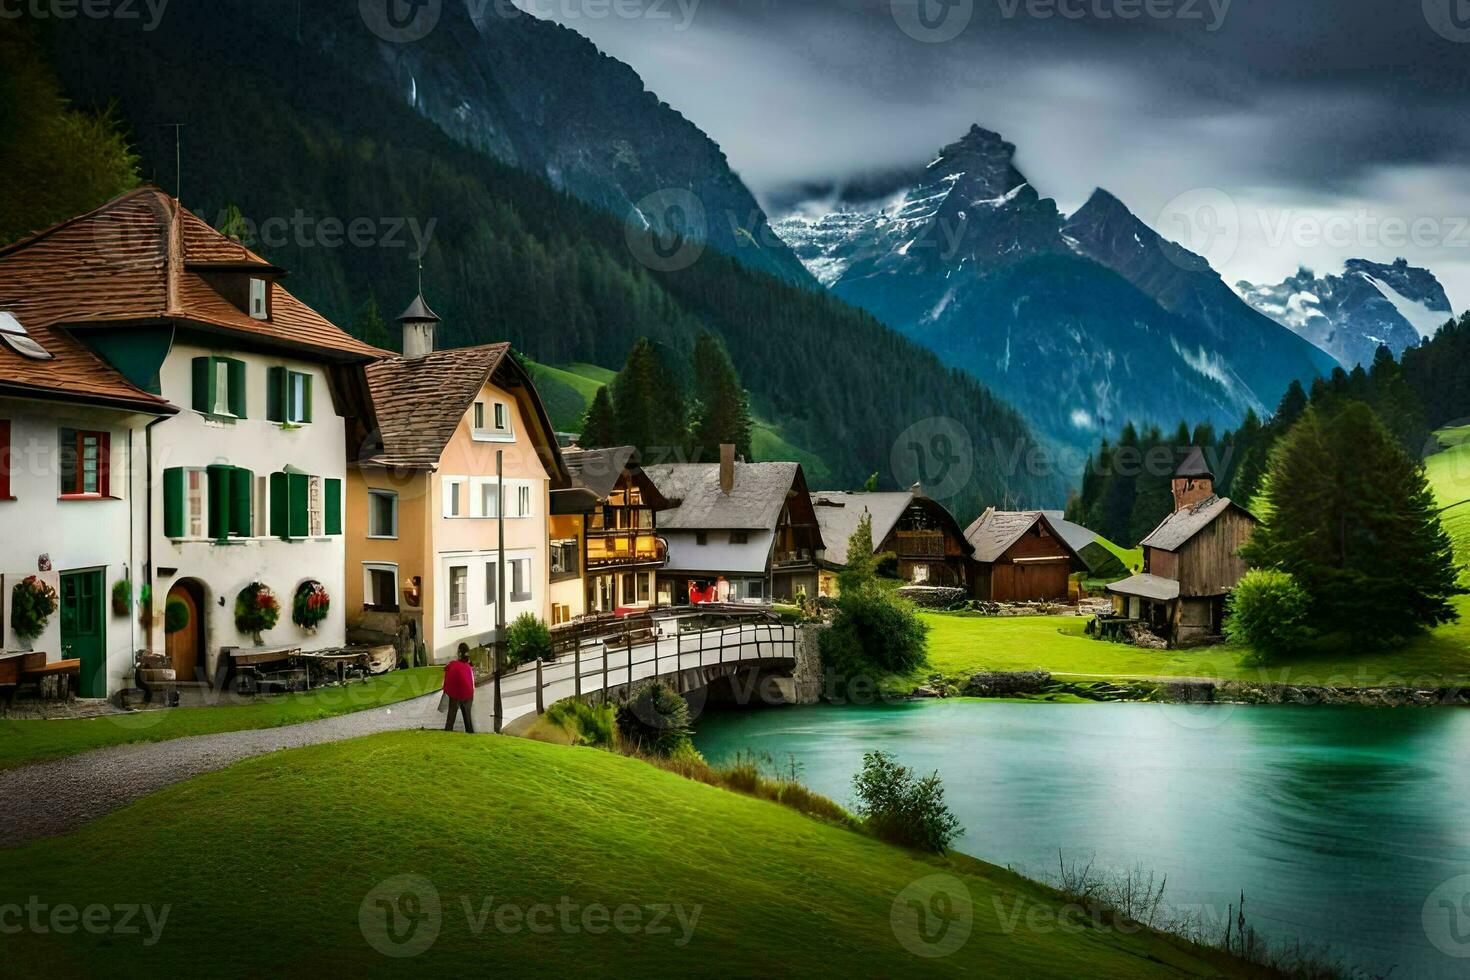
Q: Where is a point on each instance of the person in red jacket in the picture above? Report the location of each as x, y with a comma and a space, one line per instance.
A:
459, 688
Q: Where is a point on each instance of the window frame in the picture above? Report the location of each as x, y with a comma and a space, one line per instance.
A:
259, 290
500, 428
492, 583
463, 618
391, 496
368, 568
454, 502
102, 466
298, 405
520, 568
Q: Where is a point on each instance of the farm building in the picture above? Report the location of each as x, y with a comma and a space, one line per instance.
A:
1021, 556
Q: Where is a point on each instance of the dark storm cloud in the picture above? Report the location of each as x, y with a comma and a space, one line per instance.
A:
1300, 110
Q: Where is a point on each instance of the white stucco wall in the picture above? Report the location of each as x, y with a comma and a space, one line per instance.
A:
263, 447
77, 535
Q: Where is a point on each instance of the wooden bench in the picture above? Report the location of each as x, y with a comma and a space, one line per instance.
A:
54, 680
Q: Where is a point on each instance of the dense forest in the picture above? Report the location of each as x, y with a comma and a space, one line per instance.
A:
505, 256
1125, 486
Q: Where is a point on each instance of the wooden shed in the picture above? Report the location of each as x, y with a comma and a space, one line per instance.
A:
1020, 556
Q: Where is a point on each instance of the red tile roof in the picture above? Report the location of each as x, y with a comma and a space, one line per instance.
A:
132, 261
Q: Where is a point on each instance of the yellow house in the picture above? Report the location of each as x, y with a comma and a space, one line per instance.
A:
464, 453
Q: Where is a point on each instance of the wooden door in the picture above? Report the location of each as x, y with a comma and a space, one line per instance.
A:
83, 630
184, 647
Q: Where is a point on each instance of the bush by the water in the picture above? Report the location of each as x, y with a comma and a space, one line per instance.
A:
588, 724
875, 633
901, 807
1269, 611
527, 639
655, 721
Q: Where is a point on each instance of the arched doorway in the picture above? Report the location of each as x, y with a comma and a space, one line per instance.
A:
183, 624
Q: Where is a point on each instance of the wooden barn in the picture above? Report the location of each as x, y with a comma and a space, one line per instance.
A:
1021, 556
1190, 562
918, 531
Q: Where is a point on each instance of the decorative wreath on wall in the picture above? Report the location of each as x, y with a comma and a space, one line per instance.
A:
175, 616
256, 609
32, 603
311, 605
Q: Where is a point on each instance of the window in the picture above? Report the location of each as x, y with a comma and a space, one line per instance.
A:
492, 583
315, 508
459, 595
258, 308
495, 427
219, 387
921, 574
84, 463
644, 587
739, 537
520, 579
629, 589
454, 494
382, 514
564, 556
5, 463
523, 501
288, 396
304, 506
380, 587
701, 538
195, 503
489, 500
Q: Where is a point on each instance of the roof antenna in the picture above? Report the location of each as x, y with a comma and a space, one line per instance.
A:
178, 160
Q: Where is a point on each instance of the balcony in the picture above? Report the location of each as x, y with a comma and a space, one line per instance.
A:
797, 558
635, 546
921, 544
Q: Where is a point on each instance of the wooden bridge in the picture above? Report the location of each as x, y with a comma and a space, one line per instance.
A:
605, 656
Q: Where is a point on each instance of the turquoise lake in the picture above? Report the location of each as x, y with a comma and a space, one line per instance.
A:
1345, 827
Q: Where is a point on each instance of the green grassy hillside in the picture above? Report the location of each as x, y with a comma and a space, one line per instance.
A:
277, 867
1449, 477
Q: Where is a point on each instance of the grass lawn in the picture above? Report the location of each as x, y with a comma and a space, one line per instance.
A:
960, 645
1449, 477
272, 867
26, 741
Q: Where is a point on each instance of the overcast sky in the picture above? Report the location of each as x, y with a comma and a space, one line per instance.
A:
1308, 131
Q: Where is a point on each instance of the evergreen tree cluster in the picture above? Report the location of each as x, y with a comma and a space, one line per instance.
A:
645, 406
1438, 371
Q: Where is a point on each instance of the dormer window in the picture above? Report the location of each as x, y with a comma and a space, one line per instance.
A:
13, 335
491, 421
258, 308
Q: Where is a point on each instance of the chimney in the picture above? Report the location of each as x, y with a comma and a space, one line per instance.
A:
1193, 481
418, 329
727, 468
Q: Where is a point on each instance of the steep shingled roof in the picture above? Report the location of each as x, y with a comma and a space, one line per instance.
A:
1180, 526
420, 401
699, 505
599, 469
1148, 587
838, 514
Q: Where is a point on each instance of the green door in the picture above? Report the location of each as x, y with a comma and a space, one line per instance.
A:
83, 630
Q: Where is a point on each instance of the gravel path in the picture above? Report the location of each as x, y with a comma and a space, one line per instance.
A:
54, 797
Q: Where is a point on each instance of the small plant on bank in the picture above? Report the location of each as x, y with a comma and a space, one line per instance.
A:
1270, 612
900, 807
656, 721
588, 724
32, 603
527, 639
175, 616
311, 605
256, 610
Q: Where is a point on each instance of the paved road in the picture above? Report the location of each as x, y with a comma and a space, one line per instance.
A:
54, 797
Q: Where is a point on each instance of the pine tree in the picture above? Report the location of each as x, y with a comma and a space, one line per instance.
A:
721, 413
648, 406
369, 326
598, 428
1352, 516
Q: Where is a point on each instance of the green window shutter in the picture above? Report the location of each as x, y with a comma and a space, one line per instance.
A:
219, 501
242, 494
203, 384
306, 390
280, 506
237, 387
333, 491
275, 394
300, 488
173, 502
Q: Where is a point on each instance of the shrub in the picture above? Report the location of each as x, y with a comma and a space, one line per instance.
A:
256, 609
655, 721
527, 639
32, 603
588, 724
122, 597
1269, 610
900, 807
874, 633
175, 616
311, 605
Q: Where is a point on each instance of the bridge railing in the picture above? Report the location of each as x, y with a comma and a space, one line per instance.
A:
604, 653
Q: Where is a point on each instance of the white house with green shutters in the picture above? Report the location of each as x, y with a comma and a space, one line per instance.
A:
226, 410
